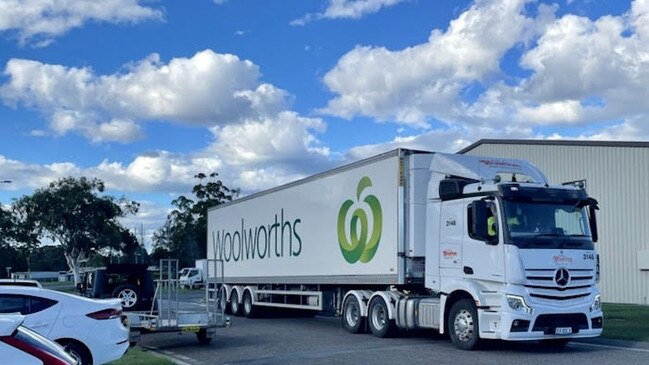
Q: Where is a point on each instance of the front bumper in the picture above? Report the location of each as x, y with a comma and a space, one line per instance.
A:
547, 320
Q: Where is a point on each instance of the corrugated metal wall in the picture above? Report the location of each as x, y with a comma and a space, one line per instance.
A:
618, 177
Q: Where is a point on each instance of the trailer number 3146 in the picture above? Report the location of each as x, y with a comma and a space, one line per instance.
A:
589, 256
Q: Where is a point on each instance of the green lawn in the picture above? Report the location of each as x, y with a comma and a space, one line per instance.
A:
136, 356
626, 322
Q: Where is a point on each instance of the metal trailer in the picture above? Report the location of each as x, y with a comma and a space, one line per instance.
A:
169, 317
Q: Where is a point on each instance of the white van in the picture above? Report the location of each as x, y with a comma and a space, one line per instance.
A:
193, 278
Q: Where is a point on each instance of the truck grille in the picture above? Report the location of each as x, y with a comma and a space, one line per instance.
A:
559, 284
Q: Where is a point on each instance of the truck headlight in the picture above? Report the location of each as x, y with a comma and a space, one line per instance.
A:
517, 303
597, 304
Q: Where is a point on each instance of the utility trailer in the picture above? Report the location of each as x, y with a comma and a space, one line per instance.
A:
166, 315
477, 247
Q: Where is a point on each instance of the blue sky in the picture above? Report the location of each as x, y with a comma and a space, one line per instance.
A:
145, 94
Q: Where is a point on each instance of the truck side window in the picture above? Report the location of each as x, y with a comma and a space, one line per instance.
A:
482, 219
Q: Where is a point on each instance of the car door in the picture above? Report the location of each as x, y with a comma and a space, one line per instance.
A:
40, 313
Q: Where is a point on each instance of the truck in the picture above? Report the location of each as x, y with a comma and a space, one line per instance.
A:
473, 247
193, 277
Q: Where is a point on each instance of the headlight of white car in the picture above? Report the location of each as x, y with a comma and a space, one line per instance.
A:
517, 303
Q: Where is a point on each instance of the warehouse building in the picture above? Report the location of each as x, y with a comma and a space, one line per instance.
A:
617, 175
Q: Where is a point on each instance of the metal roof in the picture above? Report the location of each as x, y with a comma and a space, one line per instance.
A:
557, 142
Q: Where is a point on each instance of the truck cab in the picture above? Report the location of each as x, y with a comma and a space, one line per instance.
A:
512, 257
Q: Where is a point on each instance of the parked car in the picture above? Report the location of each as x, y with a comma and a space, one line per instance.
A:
92, 331
132, 284
22, 346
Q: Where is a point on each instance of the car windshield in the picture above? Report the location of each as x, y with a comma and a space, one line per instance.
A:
532, 224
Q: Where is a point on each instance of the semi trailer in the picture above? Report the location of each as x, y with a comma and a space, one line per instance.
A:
476, 247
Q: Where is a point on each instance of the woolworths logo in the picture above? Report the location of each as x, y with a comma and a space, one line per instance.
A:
356, 241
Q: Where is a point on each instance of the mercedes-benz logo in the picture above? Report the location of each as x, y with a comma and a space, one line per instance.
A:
562, 277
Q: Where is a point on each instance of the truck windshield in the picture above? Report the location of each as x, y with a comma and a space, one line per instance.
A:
532, 224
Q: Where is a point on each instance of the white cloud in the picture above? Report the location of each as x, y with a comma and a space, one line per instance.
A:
411, 85
351, 9
41, 21
206, 89
448, 140
288, 137
579, 71
253, 155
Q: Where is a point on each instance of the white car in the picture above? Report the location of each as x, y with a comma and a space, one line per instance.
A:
92, 330
20, 345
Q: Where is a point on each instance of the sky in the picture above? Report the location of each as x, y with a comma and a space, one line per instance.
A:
145, 94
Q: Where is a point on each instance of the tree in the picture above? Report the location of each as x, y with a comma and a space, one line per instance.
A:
6, 227
72, 212
184, 233
13, 232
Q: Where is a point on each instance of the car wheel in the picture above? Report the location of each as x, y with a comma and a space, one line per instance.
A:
78, 351
352, 320
463, 325
129, 295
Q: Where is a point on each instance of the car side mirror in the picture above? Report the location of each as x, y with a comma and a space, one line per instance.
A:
80, 287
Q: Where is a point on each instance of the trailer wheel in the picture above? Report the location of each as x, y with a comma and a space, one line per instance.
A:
352, 320
248, 308
223, 300
463, 325
202, 337
235, 305
378, 318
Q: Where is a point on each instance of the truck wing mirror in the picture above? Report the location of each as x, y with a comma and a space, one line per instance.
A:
592, 207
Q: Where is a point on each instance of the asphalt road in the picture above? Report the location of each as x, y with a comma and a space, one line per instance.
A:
293, 340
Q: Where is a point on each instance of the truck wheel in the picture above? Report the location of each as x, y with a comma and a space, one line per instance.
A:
202, 337
378, 318
128, 294
463, 325
248, 308
235, 305
352, 320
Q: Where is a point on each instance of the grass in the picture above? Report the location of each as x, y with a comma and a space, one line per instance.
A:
626, 322
136, 356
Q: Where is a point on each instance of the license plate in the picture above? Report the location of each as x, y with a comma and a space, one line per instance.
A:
563, 331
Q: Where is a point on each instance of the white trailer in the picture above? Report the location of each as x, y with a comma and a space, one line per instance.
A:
476, 247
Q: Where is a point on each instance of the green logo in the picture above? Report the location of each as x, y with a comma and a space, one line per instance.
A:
358, 246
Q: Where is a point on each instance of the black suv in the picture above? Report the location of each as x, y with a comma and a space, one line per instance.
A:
131, 283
